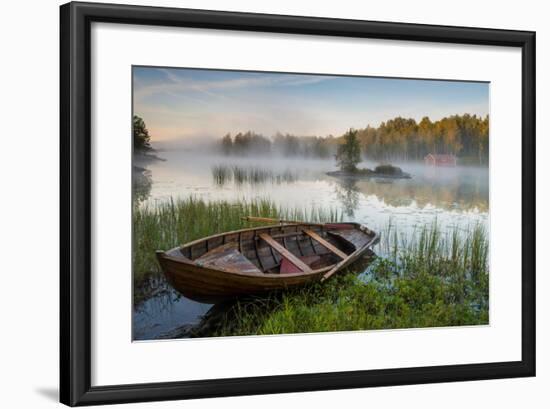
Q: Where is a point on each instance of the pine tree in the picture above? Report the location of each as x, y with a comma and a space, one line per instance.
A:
141, 135
349, 153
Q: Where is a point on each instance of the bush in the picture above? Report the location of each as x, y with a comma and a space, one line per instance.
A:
388, 170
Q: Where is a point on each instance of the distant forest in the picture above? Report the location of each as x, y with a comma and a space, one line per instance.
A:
286, 145
466, 136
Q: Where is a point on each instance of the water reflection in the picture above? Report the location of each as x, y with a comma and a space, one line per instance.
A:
141, 184
348, 194
164, 312
457, 189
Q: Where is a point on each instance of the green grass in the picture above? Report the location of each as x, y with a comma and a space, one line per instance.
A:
169, 224
430, 280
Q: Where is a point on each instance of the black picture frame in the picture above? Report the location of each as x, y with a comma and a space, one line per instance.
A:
76, 199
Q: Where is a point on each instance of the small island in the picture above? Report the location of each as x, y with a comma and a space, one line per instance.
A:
349, 155
382, 171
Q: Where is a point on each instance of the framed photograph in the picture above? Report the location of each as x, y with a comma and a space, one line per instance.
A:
262, 203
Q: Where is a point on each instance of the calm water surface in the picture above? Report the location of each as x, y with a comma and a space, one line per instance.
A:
452, 197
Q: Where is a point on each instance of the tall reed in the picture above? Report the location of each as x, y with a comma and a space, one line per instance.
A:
436, 252
250, 175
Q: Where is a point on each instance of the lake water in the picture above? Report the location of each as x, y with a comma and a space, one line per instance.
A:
454, 198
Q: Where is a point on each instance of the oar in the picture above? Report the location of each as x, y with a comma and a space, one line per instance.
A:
281, 221
271, 220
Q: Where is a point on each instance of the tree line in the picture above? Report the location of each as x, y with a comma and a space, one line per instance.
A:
466, 136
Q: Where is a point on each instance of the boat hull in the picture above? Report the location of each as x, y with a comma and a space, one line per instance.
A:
210, 285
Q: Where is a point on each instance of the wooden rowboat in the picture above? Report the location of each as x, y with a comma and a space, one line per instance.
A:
262, 259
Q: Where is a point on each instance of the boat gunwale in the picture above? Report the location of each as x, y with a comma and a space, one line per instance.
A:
192, 243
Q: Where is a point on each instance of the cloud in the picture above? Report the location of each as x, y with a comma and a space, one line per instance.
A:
176, 85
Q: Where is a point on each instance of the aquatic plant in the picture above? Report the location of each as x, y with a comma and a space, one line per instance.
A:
221, 174
252, 175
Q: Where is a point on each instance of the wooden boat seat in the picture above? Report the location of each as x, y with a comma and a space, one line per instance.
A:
355, 237
325, 244
227, 258
285, 254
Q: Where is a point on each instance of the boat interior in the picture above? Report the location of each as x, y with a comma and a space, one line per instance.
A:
281, 249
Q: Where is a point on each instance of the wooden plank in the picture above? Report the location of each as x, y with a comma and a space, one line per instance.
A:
285, 253
326, 244
282, 235
227, 258
255, 243
355, 237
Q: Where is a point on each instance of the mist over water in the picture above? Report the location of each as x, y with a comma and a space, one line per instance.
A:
452, 197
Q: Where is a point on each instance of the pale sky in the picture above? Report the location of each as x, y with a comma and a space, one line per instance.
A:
179, 103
